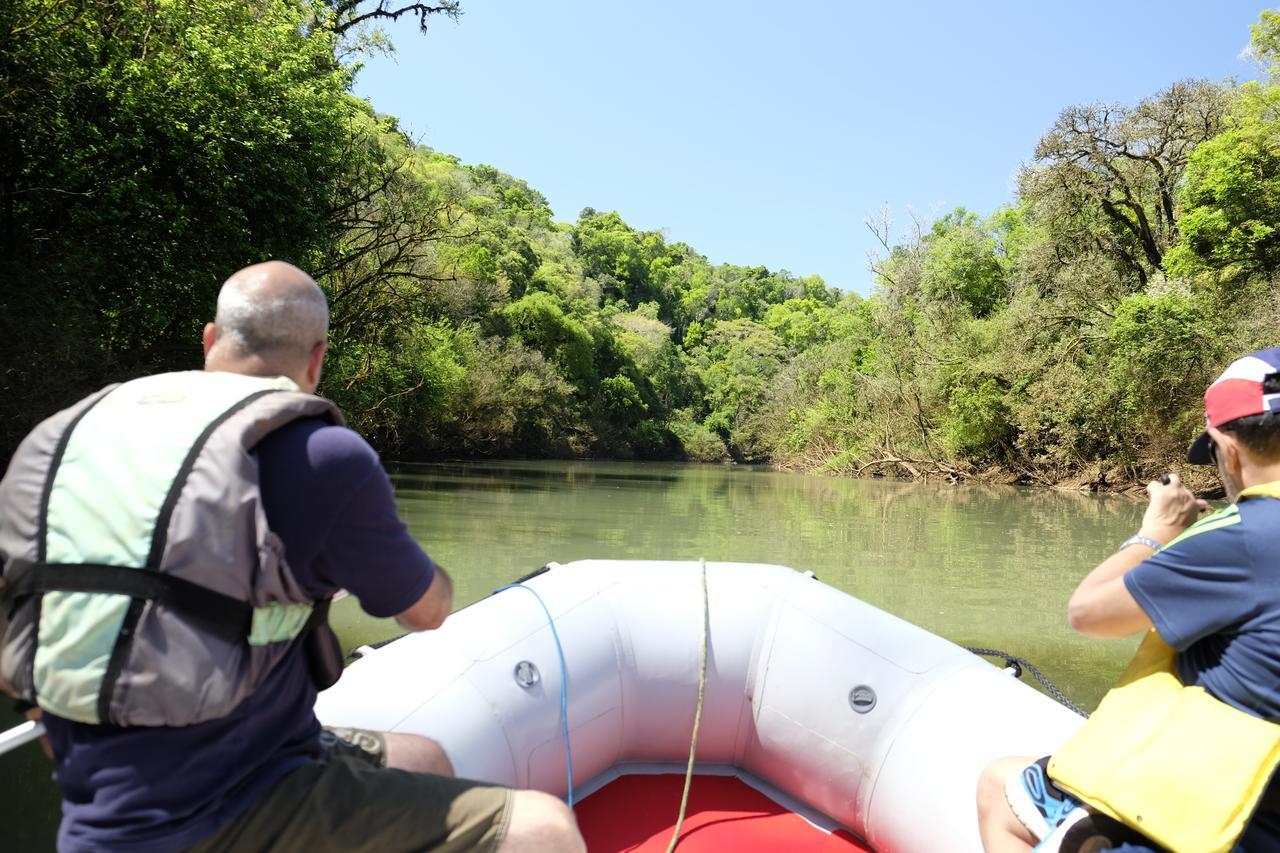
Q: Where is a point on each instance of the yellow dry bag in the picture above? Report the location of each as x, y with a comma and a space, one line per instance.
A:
1178, 765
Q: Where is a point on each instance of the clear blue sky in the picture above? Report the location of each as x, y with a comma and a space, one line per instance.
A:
765, 133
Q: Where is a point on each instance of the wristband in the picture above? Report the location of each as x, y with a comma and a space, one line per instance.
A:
1139, 539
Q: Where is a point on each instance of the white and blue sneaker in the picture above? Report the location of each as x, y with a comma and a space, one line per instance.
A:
1038, 803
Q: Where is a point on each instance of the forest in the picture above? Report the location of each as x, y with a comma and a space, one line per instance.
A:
148, 148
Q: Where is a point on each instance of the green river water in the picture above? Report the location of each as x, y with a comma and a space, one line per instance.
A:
982, 566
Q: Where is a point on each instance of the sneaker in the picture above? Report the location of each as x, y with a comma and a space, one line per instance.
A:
1039, 804
1067, 837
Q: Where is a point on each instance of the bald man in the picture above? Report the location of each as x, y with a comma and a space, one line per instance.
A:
149, 761
272, 320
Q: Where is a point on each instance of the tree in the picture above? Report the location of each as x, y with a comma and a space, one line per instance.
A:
1230, 200
1264, 41
390, 223
1162, 351
977, 419
147, 150
538, 320
736, 364
612, 251
1114, 172
962, 264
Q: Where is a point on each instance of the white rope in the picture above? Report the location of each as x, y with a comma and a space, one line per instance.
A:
697, 714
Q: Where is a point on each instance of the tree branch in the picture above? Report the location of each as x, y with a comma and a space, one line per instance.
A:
342, 23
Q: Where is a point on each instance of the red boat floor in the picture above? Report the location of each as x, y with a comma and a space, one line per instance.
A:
638, 813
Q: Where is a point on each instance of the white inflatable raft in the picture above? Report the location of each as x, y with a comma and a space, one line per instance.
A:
845, 714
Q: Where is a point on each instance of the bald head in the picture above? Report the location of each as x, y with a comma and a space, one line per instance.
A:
271, 319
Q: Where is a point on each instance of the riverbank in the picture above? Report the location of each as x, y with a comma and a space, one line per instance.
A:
1095, 477
1089, 478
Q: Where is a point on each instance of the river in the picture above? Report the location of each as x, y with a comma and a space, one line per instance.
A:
988, 566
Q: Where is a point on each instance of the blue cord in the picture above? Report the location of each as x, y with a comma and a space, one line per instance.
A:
564, 679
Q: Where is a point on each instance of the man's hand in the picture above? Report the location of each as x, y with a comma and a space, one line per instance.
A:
1172, 510
1102, 606
35, 715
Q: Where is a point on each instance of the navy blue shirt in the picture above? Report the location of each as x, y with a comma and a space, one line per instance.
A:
159, 788
1214, 595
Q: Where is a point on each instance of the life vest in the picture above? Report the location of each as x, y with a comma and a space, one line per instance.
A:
143, 585
1170, 760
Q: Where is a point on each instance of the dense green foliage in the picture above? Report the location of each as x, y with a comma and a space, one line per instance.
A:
148, 149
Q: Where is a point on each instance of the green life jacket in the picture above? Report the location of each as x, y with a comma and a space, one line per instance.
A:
143, 584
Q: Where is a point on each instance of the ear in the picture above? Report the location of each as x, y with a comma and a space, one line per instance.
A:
1228, 448
315, 360
210, 337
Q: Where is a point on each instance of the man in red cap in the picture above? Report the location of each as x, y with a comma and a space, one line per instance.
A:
1210, 589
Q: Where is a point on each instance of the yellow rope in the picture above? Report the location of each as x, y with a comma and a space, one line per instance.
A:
697, 714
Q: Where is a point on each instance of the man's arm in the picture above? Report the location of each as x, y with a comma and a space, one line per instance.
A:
430, 611
1102, 605
332, 504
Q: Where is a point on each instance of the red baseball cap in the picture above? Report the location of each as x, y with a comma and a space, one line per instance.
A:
1237, 393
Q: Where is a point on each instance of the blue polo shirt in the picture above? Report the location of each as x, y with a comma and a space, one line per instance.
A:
1213, 594
158, 788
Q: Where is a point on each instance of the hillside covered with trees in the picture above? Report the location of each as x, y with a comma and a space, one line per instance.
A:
148, 149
